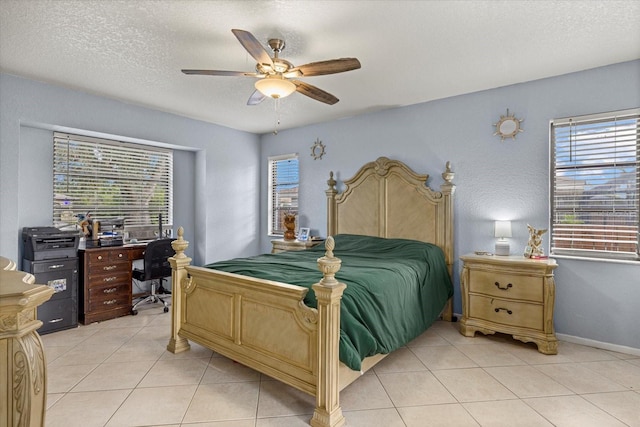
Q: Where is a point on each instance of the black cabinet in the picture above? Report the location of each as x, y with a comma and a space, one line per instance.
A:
61, 274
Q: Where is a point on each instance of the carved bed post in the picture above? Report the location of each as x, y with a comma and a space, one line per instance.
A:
178, 262
328, 412
447, 189
23, 368
332, 226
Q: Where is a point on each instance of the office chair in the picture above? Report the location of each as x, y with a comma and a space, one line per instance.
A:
156, 269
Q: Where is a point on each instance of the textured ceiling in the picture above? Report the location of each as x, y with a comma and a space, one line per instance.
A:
411, 51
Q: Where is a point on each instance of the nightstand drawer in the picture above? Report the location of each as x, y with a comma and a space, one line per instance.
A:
506, 312
506, 285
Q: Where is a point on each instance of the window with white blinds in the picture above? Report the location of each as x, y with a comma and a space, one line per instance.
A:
595, 185
284, 180
112, 180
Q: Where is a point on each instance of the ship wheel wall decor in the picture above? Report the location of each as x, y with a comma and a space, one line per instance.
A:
508, 126
317, 150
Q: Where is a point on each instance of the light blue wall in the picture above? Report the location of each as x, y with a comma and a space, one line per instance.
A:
495, 180
216, 169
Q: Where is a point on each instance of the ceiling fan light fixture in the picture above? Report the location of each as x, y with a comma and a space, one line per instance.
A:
275, 87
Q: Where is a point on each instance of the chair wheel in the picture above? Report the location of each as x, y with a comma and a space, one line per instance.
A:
134, 312
166, 309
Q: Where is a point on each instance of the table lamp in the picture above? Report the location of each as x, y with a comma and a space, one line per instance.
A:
502, 230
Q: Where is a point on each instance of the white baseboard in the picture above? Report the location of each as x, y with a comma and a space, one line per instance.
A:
599, 344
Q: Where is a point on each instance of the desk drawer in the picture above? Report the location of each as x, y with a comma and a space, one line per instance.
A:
506, 312
503, 285
108, 291
110, 276
107, 255
110, 302
137, 253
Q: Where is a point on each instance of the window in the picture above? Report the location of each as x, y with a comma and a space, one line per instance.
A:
112, 180
595, 184
283, 190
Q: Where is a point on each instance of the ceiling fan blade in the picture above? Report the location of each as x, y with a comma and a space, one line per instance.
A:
331, 66
314, 92
256, 98
220, 73
253, 46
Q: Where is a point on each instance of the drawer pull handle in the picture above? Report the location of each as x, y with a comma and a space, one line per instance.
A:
109, 279
110, 290
53, 267
497, 310
119, 255
110, 302
56, 320
509, 285
110, 267
99, 257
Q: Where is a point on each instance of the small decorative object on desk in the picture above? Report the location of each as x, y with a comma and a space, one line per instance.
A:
303, 235
534, 246
290, 226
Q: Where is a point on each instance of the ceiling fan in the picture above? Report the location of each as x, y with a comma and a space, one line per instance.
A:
277, 76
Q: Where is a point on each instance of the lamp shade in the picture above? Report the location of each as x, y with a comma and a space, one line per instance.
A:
503, 229
275, 86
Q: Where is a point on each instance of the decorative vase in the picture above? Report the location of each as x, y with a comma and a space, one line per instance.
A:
290, 225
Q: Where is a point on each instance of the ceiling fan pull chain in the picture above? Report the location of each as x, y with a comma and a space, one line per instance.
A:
276, 105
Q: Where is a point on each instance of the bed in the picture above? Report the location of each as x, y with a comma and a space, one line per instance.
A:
266, 325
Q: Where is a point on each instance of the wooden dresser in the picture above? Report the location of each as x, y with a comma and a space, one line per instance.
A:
105, 282
509, 294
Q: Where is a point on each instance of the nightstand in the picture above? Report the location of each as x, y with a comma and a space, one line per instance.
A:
509, 294
281, 245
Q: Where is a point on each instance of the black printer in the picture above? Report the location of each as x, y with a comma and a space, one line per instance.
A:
51, 255
42, 243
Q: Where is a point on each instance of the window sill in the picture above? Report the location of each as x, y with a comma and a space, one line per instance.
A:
608, 260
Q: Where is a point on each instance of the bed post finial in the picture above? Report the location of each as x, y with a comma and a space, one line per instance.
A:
448, 174
178, 272
329, 264
180, 245
331, 182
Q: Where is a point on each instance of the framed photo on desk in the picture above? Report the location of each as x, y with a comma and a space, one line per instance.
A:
303, 234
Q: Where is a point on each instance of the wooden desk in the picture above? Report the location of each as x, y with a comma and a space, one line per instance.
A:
105, 281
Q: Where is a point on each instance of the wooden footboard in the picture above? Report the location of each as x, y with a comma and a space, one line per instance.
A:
264, 325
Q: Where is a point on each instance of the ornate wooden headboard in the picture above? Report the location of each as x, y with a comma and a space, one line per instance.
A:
387, 199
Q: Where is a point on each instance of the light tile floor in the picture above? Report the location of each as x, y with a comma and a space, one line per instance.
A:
118, 373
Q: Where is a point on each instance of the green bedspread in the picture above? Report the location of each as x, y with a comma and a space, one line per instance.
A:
396, 288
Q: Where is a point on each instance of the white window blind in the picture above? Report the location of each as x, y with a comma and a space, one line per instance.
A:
595, 185
112, 180
284, 182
